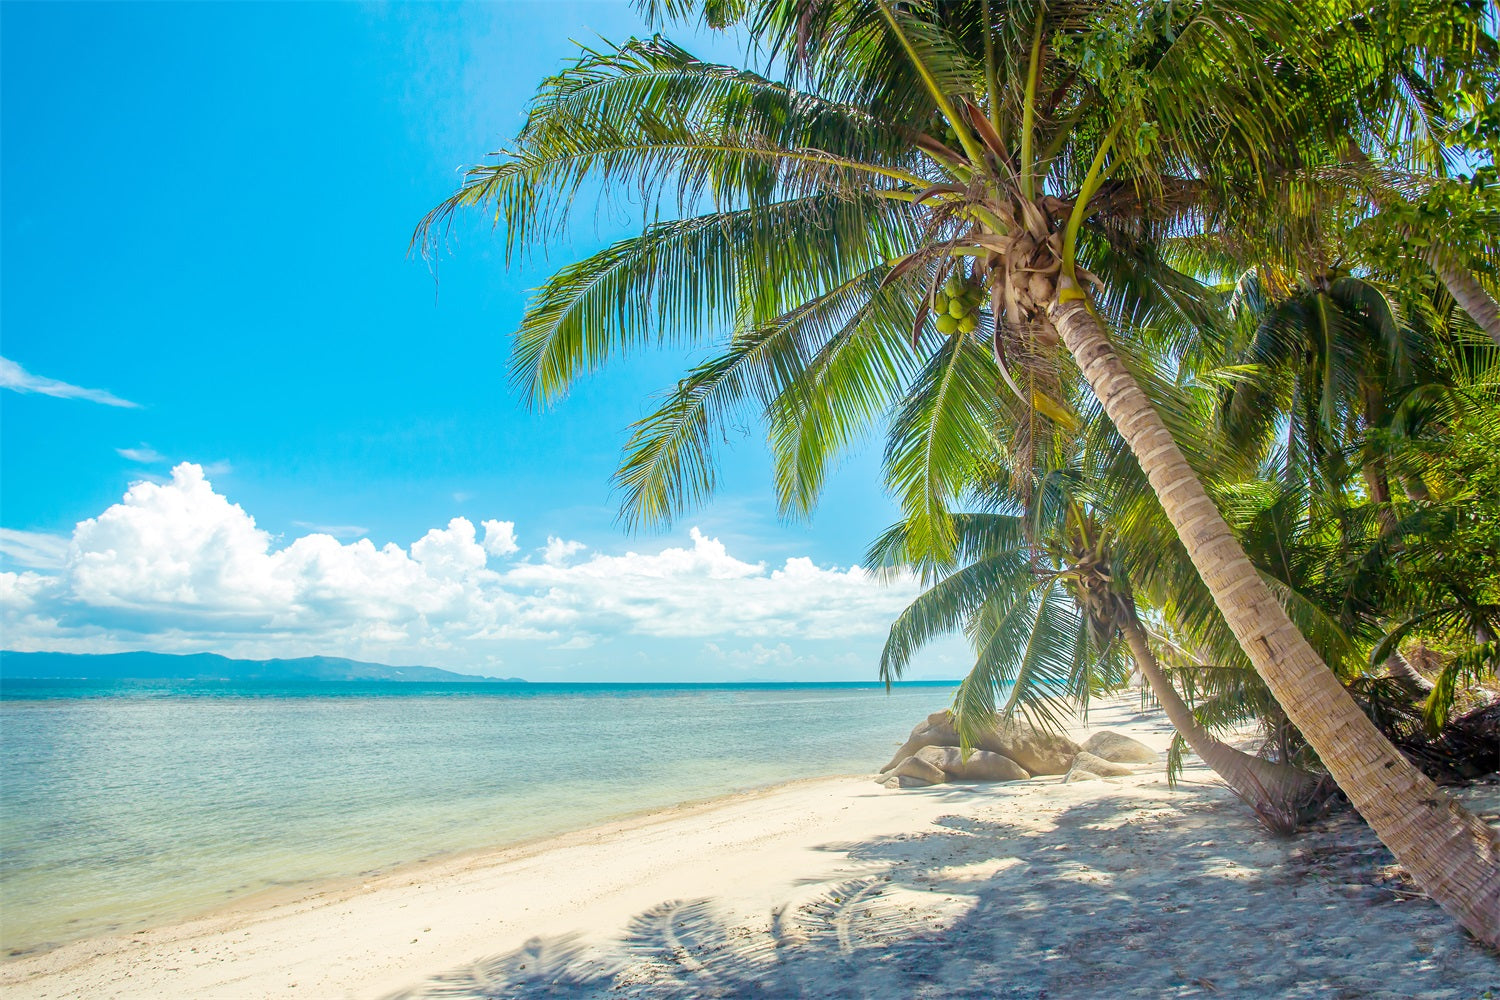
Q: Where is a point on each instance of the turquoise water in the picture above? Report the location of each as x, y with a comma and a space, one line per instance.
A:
126, 804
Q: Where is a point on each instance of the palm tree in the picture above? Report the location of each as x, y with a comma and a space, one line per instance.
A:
1340, 368
1045, 597
1436, 574
1323, 360
825, 212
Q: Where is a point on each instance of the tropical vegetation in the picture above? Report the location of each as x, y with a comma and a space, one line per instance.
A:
995, 228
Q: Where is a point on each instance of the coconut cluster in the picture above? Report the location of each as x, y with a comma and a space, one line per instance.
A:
941, 128
957, 304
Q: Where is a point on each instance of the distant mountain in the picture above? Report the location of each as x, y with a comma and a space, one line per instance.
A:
211, 666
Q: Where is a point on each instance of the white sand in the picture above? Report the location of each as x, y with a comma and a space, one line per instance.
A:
838, 887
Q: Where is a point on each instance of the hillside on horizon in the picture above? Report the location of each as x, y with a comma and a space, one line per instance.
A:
145, 665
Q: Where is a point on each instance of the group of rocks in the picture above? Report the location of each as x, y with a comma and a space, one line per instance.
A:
1008, 751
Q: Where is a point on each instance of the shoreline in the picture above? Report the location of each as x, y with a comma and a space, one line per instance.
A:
259, 900
394, 781
834, 886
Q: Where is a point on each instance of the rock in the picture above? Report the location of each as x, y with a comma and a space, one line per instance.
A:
1036, 751
936, 731
1119, 749
1086, 761
902, 781
1079, 774
982, 765
919, 771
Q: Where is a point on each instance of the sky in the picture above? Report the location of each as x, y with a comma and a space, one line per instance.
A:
237, 416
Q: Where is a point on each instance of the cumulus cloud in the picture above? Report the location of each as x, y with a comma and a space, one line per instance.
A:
559, 551
18, 379
499, 537
178, 565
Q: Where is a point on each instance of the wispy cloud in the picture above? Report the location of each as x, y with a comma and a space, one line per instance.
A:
145, 454
336, 530
33, 549
18, 379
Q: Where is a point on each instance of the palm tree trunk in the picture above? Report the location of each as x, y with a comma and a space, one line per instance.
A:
1262, 784
1453, 856
1466, 290
1379, 488
1418, 686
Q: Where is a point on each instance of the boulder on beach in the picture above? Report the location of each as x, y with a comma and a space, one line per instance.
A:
934, 731
1119, 749
935, 765
1086, 761
981, 765
903, 781
919, 770
1038, 752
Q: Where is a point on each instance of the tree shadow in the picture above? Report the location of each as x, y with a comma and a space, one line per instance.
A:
979, 907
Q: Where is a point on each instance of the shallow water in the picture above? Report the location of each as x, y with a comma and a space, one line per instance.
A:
127, 804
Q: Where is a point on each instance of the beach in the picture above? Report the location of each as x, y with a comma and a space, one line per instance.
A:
840, 887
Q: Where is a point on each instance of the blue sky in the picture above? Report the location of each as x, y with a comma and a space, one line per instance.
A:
205, 212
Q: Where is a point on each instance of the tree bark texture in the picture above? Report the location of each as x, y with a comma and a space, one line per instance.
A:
1449, 852
1418, 686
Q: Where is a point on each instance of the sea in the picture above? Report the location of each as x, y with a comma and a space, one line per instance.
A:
129, 804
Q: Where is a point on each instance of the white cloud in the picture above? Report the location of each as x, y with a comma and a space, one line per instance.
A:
559, 551
450, 553
499, 537
705, 591
145, 454
18, 379
176, 565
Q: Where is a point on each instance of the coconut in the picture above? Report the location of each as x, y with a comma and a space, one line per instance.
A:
940, 302
968, 324
957, 309
946, 324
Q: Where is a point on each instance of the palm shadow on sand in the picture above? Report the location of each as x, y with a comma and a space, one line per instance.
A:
979, 908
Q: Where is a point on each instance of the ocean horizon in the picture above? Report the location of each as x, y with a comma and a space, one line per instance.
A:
132, 803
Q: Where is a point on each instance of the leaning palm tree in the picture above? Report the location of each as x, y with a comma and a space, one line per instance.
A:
826, 211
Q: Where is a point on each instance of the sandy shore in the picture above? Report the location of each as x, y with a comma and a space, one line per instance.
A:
840, 888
